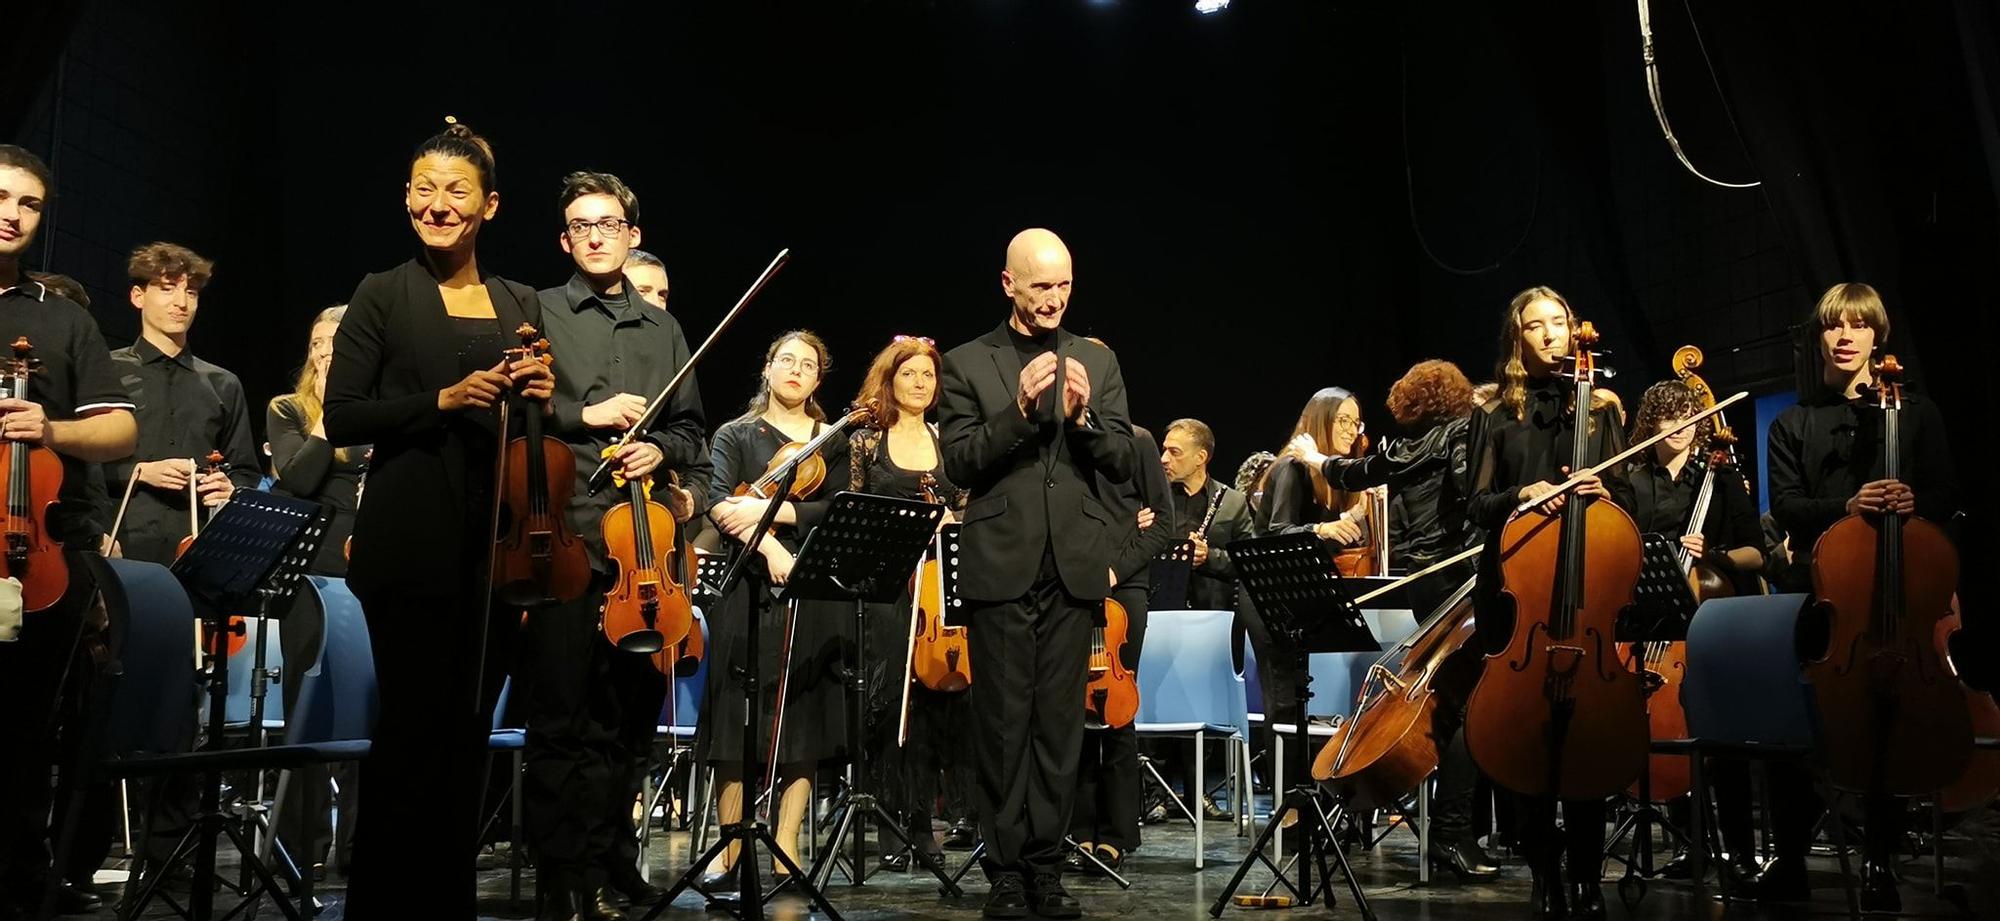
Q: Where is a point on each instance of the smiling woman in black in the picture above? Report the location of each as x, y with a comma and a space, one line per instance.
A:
417, 369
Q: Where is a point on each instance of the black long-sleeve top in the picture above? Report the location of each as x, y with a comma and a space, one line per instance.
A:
1515, 453
1427, 479
1150, 489
741, 451
310, 467
604, 346
187, 407
1822, 451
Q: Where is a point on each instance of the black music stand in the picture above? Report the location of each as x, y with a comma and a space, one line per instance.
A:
1307, 608
1662, 606
863, 552
251, 554
747, 830
1169, 574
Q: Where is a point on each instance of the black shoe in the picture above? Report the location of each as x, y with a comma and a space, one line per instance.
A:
715, 884
77, 899
635, 891
1465, 860
1740, 868
557, 904
1048, 898
1586, 901
1681, 867
602, 909
1878, 888
1075, 862
1784, 880
1007, 899
1111, 857
898, 862
961, 836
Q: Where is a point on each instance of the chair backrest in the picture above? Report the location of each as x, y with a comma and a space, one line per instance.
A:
1186, 672
683, 706
337, 698
1338, 676
1253, 681
236, 708
150, 692
1745, 684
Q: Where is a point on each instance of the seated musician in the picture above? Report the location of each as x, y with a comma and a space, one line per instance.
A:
1824, 461
1659, 489
1207, 512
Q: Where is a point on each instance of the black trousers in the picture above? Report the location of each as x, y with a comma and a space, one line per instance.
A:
1029, 662
573, 767
1581, 840
641, 695
1731, 780
1107, 792
426, 774
1796, 805
39, 675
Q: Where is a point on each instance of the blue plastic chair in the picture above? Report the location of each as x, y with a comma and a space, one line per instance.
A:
1189, 688
513, 741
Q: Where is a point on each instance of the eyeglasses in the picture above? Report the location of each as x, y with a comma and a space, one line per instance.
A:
610, 227
787, 363
1344, 423
923, 339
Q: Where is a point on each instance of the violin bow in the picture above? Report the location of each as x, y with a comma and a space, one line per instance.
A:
639, 429
1626, 454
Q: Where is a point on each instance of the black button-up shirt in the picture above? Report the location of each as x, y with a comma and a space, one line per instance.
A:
187, 407
76, 379
604, 346
1822, 451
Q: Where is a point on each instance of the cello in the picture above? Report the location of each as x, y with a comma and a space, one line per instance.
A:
1390, 743
1894, 716
1664, 662
1558, 678
537, 560
34, 482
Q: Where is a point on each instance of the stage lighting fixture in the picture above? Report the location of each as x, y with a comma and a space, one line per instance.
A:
1210, 6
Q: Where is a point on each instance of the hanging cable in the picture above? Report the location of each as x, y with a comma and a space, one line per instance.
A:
1659, 106
1410, 193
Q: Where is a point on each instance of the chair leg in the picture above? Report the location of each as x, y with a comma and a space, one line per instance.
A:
1424, 829
125, 813
1199, 792
514, 835
1278, 793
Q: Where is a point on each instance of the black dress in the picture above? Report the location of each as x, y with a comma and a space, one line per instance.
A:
815, 727
905, 778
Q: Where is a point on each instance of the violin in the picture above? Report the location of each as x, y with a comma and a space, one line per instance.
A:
236, 635
1559, 679
1894, 716
940, 657
537, 560
1370, 557
811, 473
34, 481
1111, 698
646, 608
682, 659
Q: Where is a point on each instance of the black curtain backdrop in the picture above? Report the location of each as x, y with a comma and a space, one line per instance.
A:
1287, 195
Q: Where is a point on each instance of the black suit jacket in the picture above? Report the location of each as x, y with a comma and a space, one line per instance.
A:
1032, 485
415, 532
1213, 585
1148, 489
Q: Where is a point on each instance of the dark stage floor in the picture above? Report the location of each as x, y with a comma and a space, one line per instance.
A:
1165, 885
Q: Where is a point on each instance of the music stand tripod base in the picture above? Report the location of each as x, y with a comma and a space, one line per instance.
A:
1299, 592
863, 552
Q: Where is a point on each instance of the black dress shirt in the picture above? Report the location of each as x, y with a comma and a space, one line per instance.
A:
77, 379
1822, 451
604, 346
186, 408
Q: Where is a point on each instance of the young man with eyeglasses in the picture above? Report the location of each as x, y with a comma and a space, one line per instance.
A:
593, 708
